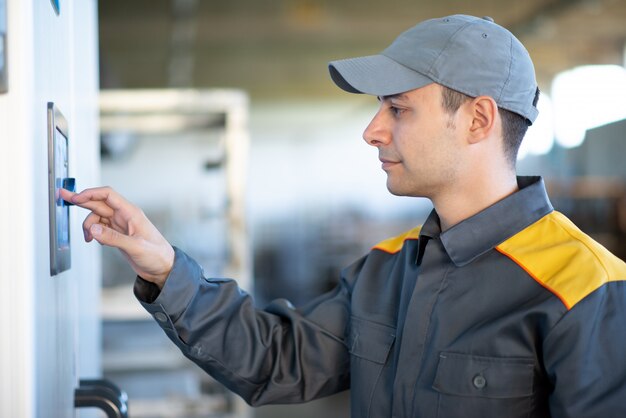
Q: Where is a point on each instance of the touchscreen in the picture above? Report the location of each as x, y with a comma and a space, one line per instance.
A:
61, 172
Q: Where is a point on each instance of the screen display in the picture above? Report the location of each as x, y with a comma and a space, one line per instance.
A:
60, 173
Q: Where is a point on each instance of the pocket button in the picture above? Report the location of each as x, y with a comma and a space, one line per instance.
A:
479, 382
160, 316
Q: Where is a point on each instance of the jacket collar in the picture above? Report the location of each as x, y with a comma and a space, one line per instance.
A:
478, 234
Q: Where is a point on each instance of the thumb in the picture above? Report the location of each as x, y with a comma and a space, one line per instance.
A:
110, 237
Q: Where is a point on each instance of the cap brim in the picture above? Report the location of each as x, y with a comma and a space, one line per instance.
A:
377, 75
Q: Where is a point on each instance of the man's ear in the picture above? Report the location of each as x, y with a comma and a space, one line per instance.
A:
484, 111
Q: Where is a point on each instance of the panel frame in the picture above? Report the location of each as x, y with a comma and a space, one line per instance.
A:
60, 255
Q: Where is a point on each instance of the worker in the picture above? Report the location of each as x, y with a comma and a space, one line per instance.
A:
497, 306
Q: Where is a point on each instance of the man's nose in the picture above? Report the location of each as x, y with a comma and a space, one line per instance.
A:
377, 132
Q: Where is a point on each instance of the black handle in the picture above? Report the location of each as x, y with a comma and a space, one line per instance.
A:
103, 394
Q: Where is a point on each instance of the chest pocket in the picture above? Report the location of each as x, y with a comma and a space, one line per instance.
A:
369, 344
484, 386
369, 340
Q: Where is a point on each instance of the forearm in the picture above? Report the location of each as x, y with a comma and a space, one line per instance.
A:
274, 355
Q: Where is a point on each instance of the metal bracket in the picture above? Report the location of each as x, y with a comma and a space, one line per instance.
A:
4, 77
103, 394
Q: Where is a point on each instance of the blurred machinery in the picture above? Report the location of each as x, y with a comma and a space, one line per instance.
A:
180, 155
589, 185
597, 205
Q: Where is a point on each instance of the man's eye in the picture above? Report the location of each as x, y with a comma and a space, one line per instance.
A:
396, 110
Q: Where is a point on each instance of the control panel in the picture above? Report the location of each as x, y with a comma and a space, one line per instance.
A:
58, 177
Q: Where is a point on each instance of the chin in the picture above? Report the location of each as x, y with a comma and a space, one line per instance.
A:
397, 190
404, 190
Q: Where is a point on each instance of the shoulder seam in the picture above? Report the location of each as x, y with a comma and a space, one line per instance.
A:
566, 247
534, 277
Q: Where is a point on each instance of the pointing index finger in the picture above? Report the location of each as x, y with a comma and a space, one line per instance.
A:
100, 194
66, 195
103, 201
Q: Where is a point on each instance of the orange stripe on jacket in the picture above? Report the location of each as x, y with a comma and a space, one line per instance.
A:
563, 259
395, 244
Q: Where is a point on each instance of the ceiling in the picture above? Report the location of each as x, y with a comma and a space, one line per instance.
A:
280, 49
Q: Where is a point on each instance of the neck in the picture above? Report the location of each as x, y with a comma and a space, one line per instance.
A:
471, 197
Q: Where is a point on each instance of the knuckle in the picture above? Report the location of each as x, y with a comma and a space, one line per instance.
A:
110, 232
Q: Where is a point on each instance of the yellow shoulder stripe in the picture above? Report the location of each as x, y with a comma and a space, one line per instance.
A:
394, 245
561, 258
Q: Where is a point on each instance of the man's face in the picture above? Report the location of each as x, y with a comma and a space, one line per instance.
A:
417, 141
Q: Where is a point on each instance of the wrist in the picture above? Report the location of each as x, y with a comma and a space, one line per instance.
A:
169, 265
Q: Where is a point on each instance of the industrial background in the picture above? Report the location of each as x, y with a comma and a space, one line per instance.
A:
315, 200
219, 119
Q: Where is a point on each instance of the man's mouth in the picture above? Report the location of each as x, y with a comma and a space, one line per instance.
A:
387, 163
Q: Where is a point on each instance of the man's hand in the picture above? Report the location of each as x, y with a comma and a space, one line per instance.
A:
115, 222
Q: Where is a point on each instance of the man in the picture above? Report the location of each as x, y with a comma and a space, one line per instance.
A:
497, 307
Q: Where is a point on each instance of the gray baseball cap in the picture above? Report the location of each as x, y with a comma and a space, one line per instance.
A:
472, 55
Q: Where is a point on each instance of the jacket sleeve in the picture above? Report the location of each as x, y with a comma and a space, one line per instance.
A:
276, 355
585, 356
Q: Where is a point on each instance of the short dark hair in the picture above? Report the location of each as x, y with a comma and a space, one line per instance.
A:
514, 126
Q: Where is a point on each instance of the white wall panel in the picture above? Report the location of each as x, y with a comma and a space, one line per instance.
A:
45, 320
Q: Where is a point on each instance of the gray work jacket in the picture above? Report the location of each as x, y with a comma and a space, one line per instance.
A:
511, 313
